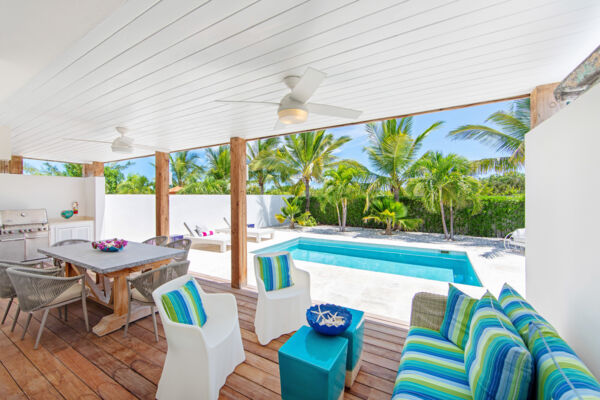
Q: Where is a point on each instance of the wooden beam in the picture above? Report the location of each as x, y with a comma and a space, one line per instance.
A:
543, 104
239, 249
15, 165
162, 193
94, 169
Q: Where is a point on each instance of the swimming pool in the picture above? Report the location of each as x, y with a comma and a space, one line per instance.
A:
437, 265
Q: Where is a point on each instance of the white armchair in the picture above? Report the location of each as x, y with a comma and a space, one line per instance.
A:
284, 310
199, 360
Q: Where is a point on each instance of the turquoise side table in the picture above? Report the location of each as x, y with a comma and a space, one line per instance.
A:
313, 366
354, 334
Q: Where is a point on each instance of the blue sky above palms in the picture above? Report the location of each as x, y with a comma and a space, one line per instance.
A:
436, 141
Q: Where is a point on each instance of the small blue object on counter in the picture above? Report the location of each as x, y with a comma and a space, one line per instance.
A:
328, 319
312, 366
66, 214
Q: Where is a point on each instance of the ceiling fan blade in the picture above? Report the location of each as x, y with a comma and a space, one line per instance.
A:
307, 85
87, 140
264, 103
333, 111
150, 148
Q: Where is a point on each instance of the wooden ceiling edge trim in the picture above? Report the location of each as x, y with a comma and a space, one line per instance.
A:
431, 111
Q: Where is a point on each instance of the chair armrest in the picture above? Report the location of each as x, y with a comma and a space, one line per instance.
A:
219, 302
428, 310
301, 277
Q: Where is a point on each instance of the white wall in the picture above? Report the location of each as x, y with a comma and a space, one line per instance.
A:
562, 219
133, 216
54, 193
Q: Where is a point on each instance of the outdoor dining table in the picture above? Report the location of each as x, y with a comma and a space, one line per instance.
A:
109, 285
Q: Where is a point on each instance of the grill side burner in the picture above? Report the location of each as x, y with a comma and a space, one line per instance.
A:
22, 232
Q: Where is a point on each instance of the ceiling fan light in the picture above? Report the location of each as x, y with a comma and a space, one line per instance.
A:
292, 115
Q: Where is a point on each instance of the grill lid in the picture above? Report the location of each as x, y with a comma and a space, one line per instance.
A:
10, 218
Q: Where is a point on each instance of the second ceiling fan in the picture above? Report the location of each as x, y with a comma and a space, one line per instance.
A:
294, 107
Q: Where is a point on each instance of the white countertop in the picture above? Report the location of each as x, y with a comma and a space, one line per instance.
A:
74, 218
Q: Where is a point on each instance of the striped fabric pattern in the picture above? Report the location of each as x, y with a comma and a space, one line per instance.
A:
457, 319
498, 364
431, 368
520, 312
561, 375
275, 271
184, 305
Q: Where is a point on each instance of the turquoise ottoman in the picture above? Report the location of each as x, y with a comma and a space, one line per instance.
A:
354, 334
313, 366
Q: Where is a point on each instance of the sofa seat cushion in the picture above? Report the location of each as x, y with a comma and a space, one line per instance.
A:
520, 312
497, 362
561, 374
431, 367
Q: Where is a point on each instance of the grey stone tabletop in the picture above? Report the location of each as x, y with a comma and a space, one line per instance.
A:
134, 254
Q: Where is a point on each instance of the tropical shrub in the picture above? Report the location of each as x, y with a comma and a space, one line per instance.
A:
305, 219
391, 213
290, 212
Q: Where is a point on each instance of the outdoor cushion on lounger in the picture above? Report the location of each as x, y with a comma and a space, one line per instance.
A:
432, 368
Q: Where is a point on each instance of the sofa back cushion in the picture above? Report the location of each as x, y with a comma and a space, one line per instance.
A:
275, 271
457, 319
520, 312
560, 372
184, 305
498, 364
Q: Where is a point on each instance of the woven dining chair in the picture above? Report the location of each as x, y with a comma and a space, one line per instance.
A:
157, 240
7, 290
43, 290
140, 287
183, 244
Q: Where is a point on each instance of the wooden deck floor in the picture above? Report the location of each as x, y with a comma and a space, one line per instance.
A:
73, 364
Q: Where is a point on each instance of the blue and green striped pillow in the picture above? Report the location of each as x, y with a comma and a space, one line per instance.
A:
520, 312
184, 305
457, 319
275, 271
498, 364
560, 373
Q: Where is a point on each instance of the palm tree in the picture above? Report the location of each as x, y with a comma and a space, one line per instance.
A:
393, 150
510, 139
305, 156
392, 213
258, 150
184, 168
208, 185
136, 184
437, 179
342, 184
289, 212
219, 162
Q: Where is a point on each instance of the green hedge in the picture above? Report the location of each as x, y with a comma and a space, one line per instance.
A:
499, 215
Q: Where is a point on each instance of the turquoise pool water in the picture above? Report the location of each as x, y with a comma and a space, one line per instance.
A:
437, 265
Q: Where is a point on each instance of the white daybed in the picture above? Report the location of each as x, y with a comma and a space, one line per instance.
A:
221, 239
257, 233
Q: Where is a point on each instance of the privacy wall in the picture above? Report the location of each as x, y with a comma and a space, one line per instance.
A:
133, 216
562, 220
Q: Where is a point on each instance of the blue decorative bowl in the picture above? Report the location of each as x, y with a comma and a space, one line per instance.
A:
67, 214
315, 313
110, 249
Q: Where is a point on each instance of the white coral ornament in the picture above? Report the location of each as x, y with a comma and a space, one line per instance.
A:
328, 319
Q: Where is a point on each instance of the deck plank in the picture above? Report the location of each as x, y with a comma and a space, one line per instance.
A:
72, 363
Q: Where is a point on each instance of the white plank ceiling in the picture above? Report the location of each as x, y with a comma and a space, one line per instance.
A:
157, 67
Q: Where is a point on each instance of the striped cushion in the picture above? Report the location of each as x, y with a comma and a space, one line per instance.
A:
275, 271
520, 312
561, 375
498, 364
431, 368
457, 320
184, 305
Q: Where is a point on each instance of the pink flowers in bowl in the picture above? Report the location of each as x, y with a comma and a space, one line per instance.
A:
110, 245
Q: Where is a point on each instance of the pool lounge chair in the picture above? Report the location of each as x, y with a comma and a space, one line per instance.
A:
257, 233
220, 239
515, 239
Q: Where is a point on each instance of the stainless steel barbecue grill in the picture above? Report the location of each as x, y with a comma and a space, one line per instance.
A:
22, 233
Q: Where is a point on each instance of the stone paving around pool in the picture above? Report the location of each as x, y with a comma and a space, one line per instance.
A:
377, 292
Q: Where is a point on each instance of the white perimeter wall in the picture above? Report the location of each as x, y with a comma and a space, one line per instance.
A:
133, 216
54, 193
563, 222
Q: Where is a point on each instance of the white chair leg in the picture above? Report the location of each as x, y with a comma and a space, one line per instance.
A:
39, 335
154, 322
7, 308
26, 325
12, 328
128, 318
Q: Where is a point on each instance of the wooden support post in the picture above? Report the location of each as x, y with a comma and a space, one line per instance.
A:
15, 165
543, 104
239, 249
94, 169
162, 193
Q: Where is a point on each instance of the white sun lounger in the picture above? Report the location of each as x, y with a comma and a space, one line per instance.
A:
257, 233
221, 239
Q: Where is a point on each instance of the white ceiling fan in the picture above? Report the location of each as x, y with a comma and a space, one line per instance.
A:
294, 107
122, 144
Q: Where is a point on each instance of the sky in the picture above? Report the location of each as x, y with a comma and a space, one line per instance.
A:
435, 141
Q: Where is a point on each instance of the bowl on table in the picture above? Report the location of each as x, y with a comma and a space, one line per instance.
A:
328, 319
110, 246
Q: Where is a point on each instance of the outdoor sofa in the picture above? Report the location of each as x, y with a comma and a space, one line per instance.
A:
505, 334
